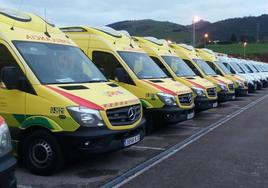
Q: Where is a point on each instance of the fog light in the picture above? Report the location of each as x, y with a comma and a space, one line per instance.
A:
87, 143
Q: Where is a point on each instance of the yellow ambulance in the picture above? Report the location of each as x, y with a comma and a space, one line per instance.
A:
239, 83
204, 91
55, 100
122, 61
225, 87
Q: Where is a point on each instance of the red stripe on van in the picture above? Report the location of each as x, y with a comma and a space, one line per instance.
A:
161, 88
77, 100
220, 81
2, 121
239, 79
195, 84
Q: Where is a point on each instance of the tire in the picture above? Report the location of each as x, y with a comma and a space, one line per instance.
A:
42, 154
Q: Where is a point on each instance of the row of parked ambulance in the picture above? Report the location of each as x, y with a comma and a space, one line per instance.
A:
83, 90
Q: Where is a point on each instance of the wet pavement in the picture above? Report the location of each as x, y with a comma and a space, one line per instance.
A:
231, 155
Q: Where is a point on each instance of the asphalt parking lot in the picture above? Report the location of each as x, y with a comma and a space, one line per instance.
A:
222, 147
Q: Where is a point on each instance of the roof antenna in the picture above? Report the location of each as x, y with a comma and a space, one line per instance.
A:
46, 31
19, 8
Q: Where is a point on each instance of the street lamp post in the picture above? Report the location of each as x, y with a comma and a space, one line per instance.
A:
245, 45
205, 39
195, 20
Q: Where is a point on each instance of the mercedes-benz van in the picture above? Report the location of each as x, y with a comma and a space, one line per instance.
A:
256, 72
164, 100
225, 88
259, 70
204, 91
242, 63
55, 100
239, 84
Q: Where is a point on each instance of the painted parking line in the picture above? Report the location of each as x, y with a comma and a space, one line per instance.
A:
24, 186
148, 147
145, 166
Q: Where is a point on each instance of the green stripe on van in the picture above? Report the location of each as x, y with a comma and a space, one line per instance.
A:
30, 120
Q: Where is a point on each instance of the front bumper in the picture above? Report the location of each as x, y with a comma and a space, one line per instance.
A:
172, 114
241, 91
97, 140
203, 103
7, 171
224, 96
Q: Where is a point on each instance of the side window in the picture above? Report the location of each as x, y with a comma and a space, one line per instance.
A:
110, 66
160, 64
6, 59
214, 68
106, 62
229, 67
189, 63
249, 68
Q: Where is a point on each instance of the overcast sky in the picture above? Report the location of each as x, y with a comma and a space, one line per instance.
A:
100, 12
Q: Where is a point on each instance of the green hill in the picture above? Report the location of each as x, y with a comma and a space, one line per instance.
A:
161, 30
239, 29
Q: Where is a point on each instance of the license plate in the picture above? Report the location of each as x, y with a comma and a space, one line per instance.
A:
190, 116
233, 97
132, 140
215, 105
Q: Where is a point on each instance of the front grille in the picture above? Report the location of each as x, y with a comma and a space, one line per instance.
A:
124, 116
186, 99
231, 87
212, 92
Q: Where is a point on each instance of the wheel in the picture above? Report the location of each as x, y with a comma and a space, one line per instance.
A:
42, 154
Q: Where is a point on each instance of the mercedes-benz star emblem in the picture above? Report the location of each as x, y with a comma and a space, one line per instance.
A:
131, 114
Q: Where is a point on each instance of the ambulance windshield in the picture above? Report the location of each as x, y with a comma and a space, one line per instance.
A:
59, 64
178, 66
142, 65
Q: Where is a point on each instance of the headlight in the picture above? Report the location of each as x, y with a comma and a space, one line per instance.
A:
85, 116
167, 99
5, 140
222, 86
198, 91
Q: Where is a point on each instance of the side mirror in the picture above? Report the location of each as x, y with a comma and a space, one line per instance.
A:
122, 76
10, 77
